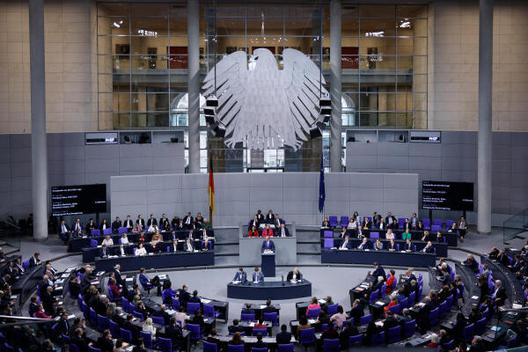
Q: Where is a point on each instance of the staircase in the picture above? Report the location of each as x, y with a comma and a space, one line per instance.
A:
308, 246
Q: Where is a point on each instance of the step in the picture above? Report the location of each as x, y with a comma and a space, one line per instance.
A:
226, 250
314, 248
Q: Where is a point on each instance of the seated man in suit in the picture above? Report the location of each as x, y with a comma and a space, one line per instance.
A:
499, 295
365, 244
64, 231
240, 276
90, 226
77, 228
257, 277
268, 245
294, 275
283, 231
116, 225
267, 231
188, 221
283, 337
428, 248
129, 224
346, 244
408, 246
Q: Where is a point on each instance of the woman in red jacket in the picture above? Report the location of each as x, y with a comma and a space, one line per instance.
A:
253, 232
391, 281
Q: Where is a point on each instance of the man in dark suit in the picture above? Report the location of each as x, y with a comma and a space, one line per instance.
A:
257, 277
34, 260
152, 221
164, 222
91, 225
268, 245
129, 224
188, 221
33, 306
62, 327
116, 225
295, 275
64, 231
235, 327
283, 231
260, 217
77, 228
346, 244
283, 337
174, 332
279, 220
240, 276
184, 296
140, 221
379, 271
118, 277
499, 295
365, 244
79, 340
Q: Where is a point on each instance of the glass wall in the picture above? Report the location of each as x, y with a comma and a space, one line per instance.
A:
142, 61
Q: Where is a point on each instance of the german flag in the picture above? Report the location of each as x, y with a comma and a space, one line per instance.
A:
211, 192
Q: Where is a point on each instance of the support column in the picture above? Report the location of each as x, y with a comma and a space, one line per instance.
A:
39, 154
193, 89
484, 106
335, 85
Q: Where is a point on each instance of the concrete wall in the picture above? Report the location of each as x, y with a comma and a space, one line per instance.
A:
72, 162
454, 56
455, 159
238, 195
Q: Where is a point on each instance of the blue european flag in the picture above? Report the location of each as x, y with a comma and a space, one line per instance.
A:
322, 192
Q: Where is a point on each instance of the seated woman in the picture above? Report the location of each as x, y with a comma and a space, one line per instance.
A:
140, 251
236, 339
253, 232
428, 248
149, 327
426, 236
378, 245
314, 304
114, 288
124, 239
366, 223
390, 235
406, 235
392, 246
108, 241
325, 224
440, 237
155, 242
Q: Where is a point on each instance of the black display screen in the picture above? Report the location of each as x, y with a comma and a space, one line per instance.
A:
441, 195
77, 200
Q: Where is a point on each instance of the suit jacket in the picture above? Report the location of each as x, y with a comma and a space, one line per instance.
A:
141, 221
152, 221
66, 226
240, 276
129, 223
366, 245
116, 225
283, 338
188, 221
258, 277
33, 262
286, 232
268, 245
118, 277
290, 276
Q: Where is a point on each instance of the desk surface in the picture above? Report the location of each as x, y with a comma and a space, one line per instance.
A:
157, 261
382, 257
272, 290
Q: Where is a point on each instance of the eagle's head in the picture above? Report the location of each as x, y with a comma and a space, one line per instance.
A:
262, 58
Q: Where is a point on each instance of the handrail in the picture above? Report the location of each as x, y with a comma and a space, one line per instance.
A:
514, 225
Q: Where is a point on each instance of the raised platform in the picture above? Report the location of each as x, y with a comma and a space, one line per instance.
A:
285, 247
156, 261
381, 257
270, 289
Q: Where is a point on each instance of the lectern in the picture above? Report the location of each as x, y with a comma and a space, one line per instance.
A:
268, 264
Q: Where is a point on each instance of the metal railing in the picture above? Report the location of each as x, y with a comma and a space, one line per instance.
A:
515, 225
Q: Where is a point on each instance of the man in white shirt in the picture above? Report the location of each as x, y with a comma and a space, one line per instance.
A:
64, 232
77, 227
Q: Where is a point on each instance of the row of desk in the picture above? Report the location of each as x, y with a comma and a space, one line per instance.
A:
353, 256
158, 261
78, 243
440, 248
270, 290
451, 237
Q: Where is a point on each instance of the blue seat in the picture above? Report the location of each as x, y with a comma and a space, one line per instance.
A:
147, 338
328, 234
307, 337
247, 316
209, 346
443, 308
374, 235
235, 348
114, 328
436, 228
25, 264
193, 307
409, 328
313, 313
343, 222
378, 339
480, 325
209, 311
107, 232
449, 300
434, 316
93, 349
259, 349
138, 315
175, 304
122, 230
126, 335
271, 316
331, 345
364, 320
396, 309
332, 220
196, 332
394, 334
412, 298
156, 319
374, 296
102, 323
289, 347
355, 340
92, 316
263, 332
331, 309
95, 232
164, 344
448, 346
73, 347
328, 243
93, 243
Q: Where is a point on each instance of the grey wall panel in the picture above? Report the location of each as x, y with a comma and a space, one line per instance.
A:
235, 206
455, 159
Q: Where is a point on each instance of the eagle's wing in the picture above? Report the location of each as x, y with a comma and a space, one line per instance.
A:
302, 82
227, 81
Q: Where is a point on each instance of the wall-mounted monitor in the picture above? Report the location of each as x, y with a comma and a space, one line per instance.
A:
442, 195
78, 199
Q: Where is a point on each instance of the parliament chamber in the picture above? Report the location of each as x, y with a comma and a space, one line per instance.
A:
263, 175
